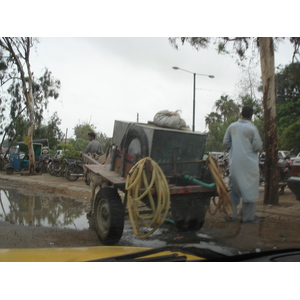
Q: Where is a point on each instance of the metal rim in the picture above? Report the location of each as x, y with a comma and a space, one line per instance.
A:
103, 216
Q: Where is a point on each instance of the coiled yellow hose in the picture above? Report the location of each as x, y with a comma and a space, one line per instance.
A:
147, 175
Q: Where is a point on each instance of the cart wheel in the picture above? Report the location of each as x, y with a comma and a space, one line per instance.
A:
70, 173
109, 216
9, 171
188, 211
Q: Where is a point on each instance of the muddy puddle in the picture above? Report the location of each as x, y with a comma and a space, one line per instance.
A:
19, 209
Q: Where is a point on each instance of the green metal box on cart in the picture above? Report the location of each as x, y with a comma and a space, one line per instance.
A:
176, 151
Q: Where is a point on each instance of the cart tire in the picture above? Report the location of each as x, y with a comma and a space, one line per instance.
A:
188, 211
72, 170
9, 171
109, 216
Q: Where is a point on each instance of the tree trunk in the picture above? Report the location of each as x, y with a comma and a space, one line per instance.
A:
271, 195
30, 107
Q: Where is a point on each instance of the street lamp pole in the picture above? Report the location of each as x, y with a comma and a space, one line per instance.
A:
194, 90
194, 101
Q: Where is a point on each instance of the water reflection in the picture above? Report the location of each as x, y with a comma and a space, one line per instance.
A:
48, 211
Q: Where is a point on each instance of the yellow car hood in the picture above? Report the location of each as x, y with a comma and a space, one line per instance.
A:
75, 254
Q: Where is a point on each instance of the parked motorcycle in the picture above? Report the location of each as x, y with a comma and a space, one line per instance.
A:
43, 163
56, 167
223, 162
284, 171
284, 166
74, 169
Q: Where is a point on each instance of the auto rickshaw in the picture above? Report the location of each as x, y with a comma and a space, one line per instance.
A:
19, 159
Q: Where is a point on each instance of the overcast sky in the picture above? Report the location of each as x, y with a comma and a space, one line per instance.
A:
107, 79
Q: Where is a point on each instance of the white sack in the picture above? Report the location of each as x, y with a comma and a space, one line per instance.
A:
169, 119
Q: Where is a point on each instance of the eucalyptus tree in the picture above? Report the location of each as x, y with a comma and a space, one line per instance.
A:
26, 92
240, 45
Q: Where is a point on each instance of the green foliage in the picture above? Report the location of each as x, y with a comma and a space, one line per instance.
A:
212, 118
288, 83
291, 137
81, 130
217, 123
240, 44
45, 87
288, 103
79, 144
69, 151
214, 141
50, 131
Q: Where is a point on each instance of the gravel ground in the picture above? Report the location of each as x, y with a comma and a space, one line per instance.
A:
279, 228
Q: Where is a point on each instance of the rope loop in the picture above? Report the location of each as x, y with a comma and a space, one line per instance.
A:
223, 203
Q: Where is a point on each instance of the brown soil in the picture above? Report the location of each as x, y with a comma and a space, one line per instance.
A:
278, 229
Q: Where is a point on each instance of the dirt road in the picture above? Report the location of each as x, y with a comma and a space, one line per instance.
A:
279, 228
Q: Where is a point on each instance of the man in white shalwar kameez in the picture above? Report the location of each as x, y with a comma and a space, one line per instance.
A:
244, 142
